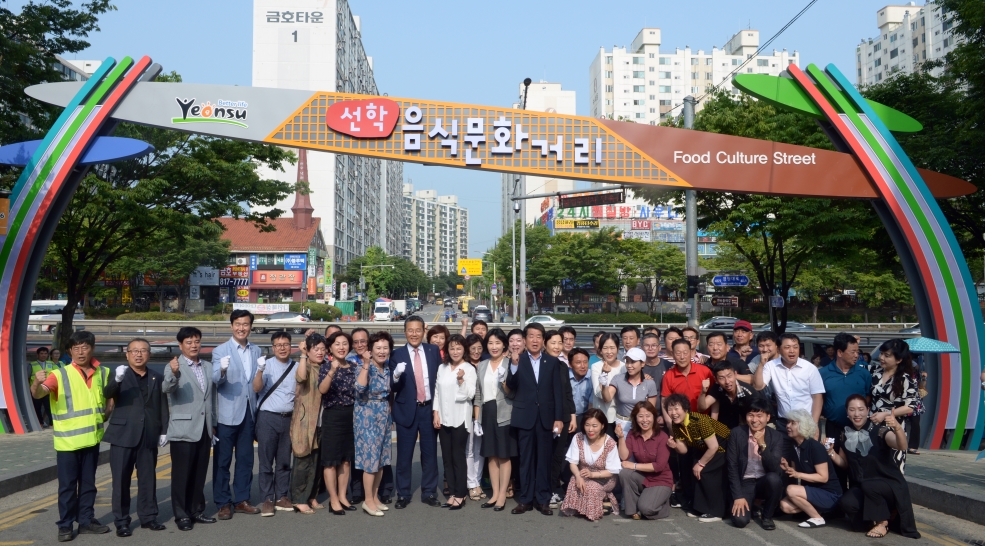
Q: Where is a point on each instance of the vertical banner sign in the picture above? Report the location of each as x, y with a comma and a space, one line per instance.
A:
4, 211
329, 281
311, 262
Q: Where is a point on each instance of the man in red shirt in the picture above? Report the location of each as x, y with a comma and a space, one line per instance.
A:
685, 378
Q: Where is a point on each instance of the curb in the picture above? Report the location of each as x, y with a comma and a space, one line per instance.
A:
40, 474
948, 500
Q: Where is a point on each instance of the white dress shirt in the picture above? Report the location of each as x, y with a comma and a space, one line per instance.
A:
453, 401
424, 367
609, 408
793, 386
535, 365
613, 463
489, 380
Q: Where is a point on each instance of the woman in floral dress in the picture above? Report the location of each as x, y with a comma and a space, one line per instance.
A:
895, 387
595, 462
371, 419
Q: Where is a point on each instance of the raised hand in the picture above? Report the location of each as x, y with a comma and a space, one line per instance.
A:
40, 376
399, 370
460, 375
706, 383
261, 364
224, 363
501, 373
891, 421
619, 431
120, 370
174, 365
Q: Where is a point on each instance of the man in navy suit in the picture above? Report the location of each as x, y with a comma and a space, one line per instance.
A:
537, 416
414, 368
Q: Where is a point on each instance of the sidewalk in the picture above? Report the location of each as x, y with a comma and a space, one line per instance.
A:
28, 460
951, 482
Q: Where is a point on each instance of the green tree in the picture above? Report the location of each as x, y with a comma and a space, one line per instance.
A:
665, 263
588, 260
394, 282
119, 210
29, 41
540, 271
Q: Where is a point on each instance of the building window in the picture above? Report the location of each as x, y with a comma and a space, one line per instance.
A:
650, 55
638, 60
665, 102
638, 74
638, 115
609, 88
914, 42
652, 97
708, 75
893, 53
652, 110
638, 102
763, 62
893, 38
609, 60
638, 89
650, 68
694, 61
608, 74
664, 75
694, 75
736, 62
694, 90
708, 61
749, 71
664, 60
664, 89
876, 47
877, 62
650, 82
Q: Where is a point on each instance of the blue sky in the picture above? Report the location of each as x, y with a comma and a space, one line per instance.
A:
477, 52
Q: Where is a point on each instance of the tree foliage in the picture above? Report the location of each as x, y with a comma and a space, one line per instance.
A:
394, 282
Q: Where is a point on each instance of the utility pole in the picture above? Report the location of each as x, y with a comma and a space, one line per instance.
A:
523, 229
691, 234
513, 253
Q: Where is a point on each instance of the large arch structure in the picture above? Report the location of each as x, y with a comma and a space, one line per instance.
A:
873, 167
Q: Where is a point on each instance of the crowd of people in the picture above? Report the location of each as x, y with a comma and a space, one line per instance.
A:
642, 422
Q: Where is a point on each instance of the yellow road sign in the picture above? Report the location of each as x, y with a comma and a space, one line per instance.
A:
470, 266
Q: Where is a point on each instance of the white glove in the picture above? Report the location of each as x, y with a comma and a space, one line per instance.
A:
501, 374
224, 363
604, 379
261, 364
477, 429
399, 370
162, 440
120, 370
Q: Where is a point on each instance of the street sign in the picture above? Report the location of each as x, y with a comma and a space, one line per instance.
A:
493, 286
459, 286
467, 277
470, 266
591, 200
493, 291
725, 301
777, 301
731, 280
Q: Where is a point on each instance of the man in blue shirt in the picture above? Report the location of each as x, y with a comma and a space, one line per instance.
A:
842, 377
578, 375
275, 384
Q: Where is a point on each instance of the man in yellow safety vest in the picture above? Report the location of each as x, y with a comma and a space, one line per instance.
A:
41, 406
78, 409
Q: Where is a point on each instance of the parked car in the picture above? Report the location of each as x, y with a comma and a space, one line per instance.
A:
482, 312
290, 321
718, 323
916, 329
792, 327
546, 320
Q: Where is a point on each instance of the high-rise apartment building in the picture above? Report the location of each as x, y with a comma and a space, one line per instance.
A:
645, 85
910, 35
541, 97
316, 45
436, 230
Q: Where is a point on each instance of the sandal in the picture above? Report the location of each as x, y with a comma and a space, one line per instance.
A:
812, 523
306, 510
510, 490
635, 516
913, 451
476, 493
873, 534
315, 505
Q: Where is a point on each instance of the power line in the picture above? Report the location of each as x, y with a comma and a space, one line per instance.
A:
756, 54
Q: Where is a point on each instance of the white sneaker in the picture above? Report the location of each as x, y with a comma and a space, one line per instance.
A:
708, 518
555, 500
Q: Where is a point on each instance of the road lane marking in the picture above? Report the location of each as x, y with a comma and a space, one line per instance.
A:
799, 535
750, 533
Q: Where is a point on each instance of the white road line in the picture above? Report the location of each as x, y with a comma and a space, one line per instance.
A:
799, 535
750, 533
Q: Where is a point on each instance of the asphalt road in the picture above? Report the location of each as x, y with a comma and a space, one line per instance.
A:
29, 518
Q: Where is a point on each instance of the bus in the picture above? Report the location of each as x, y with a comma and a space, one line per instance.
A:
51, 310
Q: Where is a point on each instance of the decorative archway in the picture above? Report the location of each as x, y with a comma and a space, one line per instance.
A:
514, 141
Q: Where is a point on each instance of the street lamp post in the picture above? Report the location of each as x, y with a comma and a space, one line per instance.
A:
362, 280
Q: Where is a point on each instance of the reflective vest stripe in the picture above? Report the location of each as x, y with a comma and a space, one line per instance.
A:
76, 432
78, 413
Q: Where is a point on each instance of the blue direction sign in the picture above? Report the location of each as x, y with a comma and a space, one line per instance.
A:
730, 280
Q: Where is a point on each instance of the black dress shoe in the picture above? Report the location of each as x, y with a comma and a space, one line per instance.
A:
184, 524
487, 505
94, 528
521, 508
445, 505
350, 508
546, 510
432, 501
199, 518
498, 508
65, 534
385, 500
767, 524
401, 503
124, 531
153, 526
337, 512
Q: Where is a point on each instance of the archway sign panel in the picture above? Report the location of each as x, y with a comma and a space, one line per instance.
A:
514, 141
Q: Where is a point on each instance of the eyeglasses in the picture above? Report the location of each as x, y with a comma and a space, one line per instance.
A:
282, 346
139, 351
359, 342
690, 338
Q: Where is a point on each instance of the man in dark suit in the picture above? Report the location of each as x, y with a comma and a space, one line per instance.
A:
753, 465
537, 416
135, 431
414, 369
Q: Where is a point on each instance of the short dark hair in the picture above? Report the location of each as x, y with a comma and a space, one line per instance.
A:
457, 338
552, 333
40, 350
767, 335
476, 323
330, 341
607, 336
380, 336
238, 314
499, 334
758, 403
186, 332
650, 336
414, 318
673, 330
331, 326
515, 332
596, 336
358, 330
843, 340
715, 334
681, 341
578, 351
855, 396
314, 339
689, 329
132, 341
677, 399
473, 339
654, 329
280, 334
533, 326
787, 336
633, 329
82, 337
722, 366
597, 414
567, 330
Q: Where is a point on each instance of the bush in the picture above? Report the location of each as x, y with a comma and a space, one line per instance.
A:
157, 315
320, 311
632, 317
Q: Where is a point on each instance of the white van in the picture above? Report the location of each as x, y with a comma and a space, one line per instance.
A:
382, 311
52, 310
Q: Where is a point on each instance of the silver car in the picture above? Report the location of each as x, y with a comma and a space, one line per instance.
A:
546, 320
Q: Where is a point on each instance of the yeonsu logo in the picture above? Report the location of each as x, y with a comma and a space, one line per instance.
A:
233, 112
